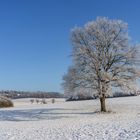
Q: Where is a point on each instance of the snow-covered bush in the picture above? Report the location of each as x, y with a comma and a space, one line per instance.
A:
81, 94
5, 102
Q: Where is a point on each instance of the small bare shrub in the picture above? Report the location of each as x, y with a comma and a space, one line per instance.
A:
37, 101
43, 101
32, 101
53, 100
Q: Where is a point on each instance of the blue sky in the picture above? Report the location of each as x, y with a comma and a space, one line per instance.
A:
35, 42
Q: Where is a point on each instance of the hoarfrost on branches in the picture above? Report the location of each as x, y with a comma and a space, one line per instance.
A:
103, 57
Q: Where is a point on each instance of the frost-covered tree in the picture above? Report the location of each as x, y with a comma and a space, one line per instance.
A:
103, 57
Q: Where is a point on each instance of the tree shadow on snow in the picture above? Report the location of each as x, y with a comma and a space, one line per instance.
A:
40, 114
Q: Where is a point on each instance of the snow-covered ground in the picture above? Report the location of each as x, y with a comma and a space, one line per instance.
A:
71, 120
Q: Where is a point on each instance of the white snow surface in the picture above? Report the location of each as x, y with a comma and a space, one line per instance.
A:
77, 120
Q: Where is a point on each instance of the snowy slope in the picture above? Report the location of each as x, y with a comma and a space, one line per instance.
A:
71, 120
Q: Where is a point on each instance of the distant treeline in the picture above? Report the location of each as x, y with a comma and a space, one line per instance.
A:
25, 94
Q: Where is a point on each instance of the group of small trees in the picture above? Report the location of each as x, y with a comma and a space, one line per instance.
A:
103, 57
41, 101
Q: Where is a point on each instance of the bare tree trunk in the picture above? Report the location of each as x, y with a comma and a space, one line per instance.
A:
102, 101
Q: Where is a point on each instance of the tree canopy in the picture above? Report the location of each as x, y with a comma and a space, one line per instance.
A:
103, 57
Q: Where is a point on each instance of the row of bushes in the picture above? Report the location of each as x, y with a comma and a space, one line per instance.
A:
5, 102
80, 97
42, 101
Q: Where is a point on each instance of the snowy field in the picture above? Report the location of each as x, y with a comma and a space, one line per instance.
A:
71, 120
